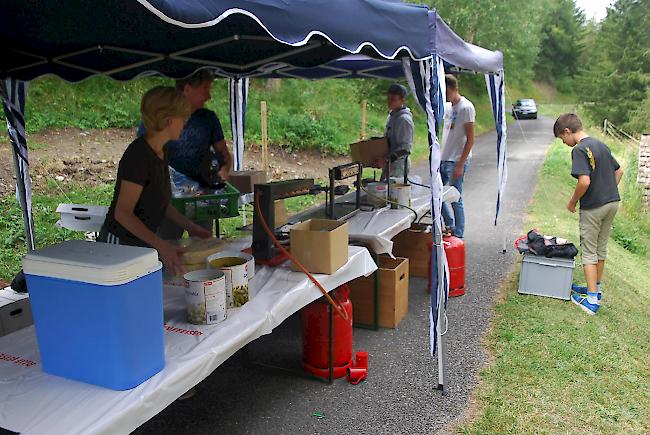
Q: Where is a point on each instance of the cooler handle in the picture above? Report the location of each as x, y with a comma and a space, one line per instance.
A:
16, 312
82, 218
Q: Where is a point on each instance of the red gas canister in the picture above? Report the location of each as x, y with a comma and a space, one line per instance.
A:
455, 252
315, 336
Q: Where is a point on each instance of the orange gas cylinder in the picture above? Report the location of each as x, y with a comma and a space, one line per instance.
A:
315, 336
455, 252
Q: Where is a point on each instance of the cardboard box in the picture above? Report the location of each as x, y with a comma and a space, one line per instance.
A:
281, 216
414, 245
393, 293
367, 151
320, 245
245, 180
15, 312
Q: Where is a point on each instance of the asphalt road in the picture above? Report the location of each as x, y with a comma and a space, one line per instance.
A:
400, 395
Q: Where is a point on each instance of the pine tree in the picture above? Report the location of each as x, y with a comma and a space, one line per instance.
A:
616, 66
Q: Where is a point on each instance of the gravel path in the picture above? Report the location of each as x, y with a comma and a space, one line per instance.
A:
399, 396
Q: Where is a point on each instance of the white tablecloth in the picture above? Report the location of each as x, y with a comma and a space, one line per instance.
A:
377, 228
32, 402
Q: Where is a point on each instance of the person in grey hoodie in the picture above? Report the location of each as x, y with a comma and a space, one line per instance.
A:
399, 132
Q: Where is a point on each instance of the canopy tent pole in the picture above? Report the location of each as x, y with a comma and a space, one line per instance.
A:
496, 90
13, 94
442, 267
238, 91
424, 80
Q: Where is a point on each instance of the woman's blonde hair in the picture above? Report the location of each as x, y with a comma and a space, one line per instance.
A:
161, 103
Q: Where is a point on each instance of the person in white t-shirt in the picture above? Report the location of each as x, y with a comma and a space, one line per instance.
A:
457, 142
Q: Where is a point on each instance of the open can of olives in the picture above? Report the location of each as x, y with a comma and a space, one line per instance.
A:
236, 271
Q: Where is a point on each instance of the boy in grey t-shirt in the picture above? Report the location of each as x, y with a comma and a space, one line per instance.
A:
598, 174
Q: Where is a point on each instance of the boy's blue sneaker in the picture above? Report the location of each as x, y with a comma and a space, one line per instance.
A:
583, 291
582, 300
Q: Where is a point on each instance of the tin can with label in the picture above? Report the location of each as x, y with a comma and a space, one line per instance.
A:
399, 195
236, 270
205, 295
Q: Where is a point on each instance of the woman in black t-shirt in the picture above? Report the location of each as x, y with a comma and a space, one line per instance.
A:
142, 191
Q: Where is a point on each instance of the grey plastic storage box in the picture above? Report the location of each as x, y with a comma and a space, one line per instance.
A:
550, 277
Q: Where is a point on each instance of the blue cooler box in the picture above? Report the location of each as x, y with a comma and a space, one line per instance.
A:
98, 312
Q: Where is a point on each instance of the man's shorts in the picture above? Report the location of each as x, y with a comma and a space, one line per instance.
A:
595, 225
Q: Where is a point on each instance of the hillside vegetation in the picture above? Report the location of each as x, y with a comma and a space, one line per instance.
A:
324, 115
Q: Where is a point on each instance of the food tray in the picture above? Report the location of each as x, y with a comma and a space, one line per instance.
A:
209, 206
81, 217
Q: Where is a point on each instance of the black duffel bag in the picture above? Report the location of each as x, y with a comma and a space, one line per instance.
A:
550, 247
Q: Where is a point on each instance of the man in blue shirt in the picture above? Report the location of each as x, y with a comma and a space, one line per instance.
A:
191, 154
202, 140
201, 149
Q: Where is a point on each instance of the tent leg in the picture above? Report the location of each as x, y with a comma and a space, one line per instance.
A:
442, 355
442, 323
238, 90
22, 193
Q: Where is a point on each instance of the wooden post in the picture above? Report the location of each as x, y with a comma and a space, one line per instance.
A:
643, 177
265, 139
363, 118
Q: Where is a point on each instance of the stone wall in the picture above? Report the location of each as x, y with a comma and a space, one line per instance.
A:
644, 167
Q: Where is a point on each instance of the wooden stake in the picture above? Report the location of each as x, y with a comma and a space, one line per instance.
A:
265, 139
363, 119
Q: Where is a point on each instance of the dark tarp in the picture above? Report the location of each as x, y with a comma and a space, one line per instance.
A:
75, 39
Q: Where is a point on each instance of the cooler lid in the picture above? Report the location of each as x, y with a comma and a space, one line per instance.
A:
96, 263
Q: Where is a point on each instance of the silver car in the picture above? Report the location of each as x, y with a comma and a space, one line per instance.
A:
524, 109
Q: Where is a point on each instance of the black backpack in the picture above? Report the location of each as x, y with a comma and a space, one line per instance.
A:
551, 248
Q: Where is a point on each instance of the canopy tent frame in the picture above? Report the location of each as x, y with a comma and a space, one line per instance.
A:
329, 39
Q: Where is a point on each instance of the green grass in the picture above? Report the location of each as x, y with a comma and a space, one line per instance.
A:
555, 369
549, 101
95, 103
44, 205
323, 115
33, 145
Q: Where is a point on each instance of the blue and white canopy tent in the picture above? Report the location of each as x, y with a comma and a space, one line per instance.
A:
127, 39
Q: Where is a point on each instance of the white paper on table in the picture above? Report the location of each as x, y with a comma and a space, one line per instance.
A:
32, 402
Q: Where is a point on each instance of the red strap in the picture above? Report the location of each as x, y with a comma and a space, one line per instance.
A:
519, 240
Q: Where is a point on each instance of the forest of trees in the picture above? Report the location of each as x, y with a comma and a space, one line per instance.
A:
606, 63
